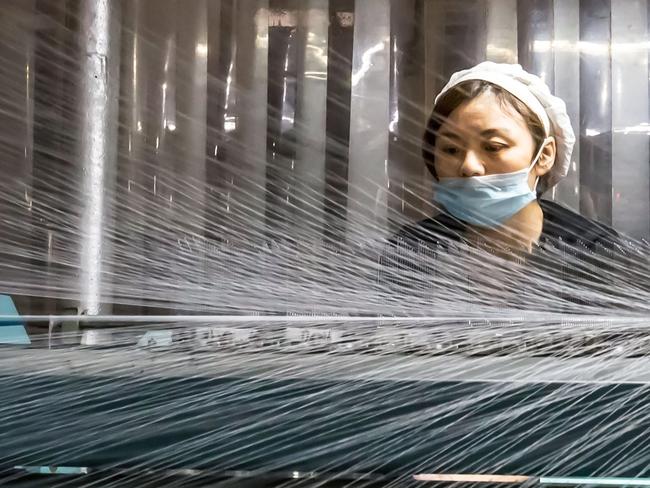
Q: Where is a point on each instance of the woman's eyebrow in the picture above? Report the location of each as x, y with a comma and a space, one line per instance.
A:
495, 132
449, 135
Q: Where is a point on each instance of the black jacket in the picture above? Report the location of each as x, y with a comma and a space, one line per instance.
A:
560, 224
576, 267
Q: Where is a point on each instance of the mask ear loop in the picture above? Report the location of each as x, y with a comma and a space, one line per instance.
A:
536, 160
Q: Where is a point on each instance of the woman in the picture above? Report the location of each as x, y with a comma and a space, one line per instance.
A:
497, 139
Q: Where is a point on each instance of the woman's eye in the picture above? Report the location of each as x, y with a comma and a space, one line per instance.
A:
494, 147
450, 150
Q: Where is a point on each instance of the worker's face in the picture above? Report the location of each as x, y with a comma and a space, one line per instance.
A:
483, 137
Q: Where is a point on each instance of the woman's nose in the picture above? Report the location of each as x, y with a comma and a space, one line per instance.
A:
472, 165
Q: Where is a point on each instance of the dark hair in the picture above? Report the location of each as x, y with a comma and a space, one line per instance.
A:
469, 90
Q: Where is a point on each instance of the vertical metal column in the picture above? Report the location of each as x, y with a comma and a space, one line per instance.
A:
456, 38
566, 35
630, 155
281, 139
434, 34
535, 36
17, 24
369, 119
251, 73
187, 128
410, 182
156, 79
339, 74
162, 78
595, 110
54, 94
190, 119
131, 191
311, 113
98, 103
548, 47
221, 79
501, 31
16, 114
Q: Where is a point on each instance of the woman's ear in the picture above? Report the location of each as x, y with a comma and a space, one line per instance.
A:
546, 157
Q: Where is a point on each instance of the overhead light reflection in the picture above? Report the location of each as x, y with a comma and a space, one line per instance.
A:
229, 124
392, 126
319, 52
366, 62
201, 49
316, 75
642, 128
588, 47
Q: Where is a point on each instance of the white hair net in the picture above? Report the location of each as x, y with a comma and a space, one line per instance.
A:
533, 92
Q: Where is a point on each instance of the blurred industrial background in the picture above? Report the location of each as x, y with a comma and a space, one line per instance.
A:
237, 120
213, 158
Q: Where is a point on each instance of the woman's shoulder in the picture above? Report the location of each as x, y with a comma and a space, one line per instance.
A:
563, 224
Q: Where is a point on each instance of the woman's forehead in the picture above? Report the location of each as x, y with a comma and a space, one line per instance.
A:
484, 113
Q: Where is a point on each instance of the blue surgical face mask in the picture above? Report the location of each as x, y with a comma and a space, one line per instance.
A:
486, 201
